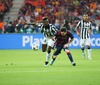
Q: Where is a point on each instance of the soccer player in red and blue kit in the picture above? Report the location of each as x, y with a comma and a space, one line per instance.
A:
62, 42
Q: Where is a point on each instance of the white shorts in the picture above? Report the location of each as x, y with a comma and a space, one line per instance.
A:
84, 42
48, 41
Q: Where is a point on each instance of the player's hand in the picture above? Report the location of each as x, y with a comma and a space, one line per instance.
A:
92, 35
78, 34
53, 38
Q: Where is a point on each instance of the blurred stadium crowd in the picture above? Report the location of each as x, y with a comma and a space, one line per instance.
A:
5, 5
57, 11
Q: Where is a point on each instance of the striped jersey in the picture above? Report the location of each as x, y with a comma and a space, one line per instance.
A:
84, 29
48, 31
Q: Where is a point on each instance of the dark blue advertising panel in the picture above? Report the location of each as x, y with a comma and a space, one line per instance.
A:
24, 41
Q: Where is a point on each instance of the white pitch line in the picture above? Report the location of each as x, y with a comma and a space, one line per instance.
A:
36, 71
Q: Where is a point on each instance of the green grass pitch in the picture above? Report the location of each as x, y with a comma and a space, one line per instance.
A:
26, 67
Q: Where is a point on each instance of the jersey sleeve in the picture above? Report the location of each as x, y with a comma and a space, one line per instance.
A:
70, 35
90, 25
57, 34
78, 25
54, 30
40, 26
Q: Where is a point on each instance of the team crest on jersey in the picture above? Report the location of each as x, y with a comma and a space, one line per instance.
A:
86, 25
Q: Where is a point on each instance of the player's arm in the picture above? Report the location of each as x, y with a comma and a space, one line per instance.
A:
91, 31
70, 41
77, 28
40, 26
55, 32
67, 44
71, 38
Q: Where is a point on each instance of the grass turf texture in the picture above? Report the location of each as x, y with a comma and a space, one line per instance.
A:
26, 67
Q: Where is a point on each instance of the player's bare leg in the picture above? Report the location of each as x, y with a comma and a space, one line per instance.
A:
44, 47
53, 59
48, 55
55, 56
70, 57
89, 52
83, 52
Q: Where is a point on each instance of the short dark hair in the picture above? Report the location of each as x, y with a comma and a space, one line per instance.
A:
44, 19
63, 29
85, 14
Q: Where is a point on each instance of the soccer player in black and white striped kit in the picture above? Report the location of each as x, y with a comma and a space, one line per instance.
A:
48, 30
84, 30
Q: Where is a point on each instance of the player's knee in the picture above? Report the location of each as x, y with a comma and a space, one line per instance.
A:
54, 57
48, 51
88, 47
68, 53
82, 48
43, 50
57, 52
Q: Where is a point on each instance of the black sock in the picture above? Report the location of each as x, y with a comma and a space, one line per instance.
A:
70, 57
54, 59
82, 50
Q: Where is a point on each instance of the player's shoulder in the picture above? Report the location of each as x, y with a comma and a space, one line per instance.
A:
40, 24
69, 32
81, 21
90, 22
51, 25
58, 32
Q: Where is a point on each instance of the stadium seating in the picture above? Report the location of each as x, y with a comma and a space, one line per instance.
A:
5, 5
71, 10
